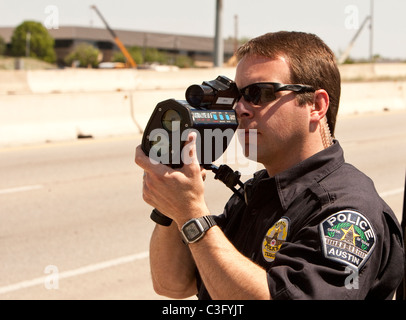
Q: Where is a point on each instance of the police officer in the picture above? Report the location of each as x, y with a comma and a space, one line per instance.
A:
311, 226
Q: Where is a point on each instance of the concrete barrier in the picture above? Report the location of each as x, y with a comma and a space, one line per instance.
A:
373, 71
362, 97
102, 80
14, 82
91, 80
52, 105
39, 106
38, 118
81, 80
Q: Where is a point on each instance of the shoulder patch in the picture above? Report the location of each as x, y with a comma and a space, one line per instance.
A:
274, 238
347, 237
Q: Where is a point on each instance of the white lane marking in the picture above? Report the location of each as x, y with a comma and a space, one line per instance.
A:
391, 192
75, 272
21, 189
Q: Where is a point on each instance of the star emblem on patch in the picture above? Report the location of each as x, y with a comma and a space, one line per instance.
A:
348, 238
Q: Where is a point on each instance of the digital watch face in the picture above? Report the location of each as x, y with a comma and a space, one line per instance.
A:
192, 231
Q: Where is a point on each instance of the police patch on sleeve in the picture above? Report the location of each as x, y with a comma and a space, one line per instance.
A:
347, 237
274, 239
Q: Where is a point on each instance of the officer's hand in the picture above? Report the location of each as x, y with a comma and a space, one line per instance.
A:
179, 194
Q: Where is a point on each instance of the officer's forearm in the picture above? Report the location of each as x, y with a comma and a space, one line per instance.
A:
226, 273
172, 265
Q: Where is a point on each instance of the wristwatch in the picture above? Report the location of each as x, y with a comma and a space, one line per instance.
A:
193, 230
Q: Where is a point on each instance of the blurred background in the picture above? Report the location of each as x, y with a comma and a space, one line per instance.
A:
78, 83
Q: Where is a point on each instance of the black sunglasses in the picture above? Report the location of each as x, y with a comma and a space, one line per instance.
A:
264, 92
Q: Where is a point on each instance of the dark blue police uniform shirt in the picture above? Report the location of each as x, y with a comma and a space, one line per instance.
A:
319, 229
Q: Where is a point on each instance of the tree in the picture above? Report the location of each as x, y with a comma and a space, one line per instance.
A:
142, 55
135, 52
153, 55
183, 61
33, 38
86, 54
3, 46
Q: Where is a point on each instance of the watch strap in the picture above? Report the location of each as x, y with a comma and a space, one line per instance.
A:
207, 222
160, 218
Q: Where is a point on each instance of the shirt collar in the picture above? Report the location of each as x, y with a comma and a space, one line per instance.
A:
292, 182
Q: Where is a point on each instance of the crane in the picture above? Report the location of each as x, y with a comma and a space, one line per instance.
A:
346, 53
120, 45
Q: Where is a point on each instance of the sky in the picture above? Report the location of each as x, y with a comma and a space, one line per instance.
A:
335, 21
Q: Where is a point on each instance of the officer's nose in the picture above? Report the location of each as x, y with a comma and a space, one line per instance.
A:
243, 109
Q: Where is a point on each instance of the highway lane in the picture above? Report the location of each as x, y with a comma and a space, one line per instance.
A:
88, 210
74, 226
376, 144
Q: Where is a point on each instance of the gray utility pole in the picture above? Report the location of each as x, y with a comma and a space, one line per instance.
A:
218, 38
235, 33
371, 34
27, 43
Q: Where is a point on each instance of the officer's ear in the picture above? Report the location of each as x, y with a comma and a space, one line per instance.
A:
320, 105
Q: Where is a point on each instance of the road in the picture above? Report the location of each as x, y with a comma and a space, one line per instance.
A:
74, 225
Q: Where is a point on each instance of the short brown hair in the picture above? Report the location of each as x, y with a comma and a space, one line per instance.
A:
310, 60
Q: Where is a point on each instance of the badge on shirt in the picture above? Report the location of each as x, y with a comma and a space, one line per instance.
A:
274, 239
347, 237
